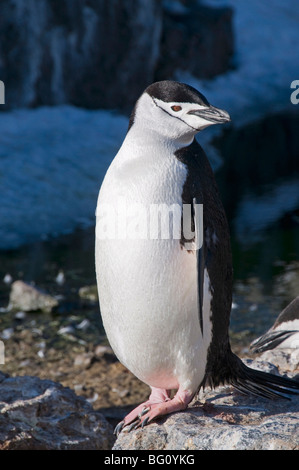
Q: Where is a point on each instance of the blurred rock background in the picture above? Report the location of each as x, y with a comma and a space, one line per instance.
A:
100, 54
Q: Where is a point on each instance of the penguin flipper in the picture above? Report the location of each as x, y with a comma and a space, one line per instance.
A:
200, 256
270, 340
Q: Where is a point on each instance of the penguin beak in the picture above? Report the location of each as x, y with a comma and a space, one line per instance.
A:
212, 114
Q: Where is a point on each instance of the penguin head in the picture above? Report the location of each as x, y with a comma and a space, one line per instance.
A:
175, 110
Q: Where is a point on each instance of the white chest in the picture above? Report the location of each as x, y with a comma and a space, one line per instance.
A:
141, 193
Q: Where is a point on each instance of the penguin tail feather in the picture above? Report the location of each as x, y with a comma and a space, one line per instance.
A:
254, 382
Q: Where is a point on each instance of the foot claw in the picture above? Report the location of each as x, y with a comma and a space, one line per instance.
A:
144, 422
158, 404
133, 426
144, 411
118, 428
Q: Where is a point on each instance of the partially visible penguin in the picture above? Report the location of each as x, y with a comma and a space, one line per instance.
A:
166, 300
284, 333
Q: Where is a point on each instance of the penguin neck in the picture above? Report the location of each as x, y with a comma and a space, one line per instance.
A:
150, 136
148, 147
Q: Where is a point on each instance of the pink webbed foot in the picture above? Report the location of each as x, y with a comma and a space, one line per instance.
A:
158, 404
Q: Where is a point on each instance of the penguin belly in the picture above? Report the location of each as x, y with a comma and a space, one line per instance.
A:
149, 295
148, 303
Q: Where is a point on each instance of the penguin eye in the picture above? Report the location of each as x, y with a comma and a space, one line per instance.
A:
176, 108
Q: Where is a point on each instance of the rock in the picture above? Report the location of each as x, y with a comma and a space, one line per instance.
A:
60, 278
197, 39
83, 325
103, 54
7, 333
93, 54
222, 420
83, 360
226, 421
102, 350
40, 414
20, 315
287, 360
89, 293
28, 298
7, 279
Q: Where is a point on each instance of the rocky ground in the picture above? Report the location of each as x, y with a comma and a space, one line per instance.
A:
221, 420
63, 343
38, 414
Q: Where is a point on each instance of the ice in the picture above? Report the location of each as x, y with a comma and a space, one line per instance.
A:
52, 162
266, 60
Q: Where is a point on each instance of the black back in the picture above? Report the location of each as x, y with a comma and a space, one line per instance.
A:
201, 184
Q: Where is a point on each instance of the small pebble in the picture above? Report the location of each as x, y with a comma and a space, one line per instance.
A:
20, 315
60, 278
7, 279
7, 333
121, 393
25, 363
89, 293
100, 350
82, 360
42, 344
94, 398
83, 325
37, 331
59, 297
66, 330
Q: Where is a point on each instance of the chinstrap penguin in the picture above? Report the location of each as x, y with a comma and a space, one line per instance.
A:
284, 333
165, 308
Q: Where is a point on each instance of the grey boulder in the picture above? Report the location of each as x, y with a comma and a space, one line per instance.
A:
40, 414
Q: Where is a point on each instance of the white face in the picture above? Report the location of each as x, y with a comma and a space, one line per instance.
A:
177, 119
181, 111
